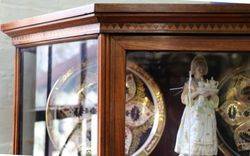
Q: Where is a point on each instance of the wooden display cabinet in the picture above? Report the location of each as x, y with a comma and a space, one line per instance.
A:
99, 42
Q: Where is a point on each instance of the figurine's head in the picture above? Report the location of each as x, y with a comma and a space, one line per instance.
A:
199, 66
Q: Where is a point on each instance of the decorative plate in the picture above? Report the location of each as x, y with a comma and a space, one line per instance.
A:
71, 114
144, 112
234, 111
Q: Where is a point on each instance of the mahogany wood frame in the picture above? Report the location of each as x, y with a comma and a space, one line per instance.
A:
123, 44
16, 102
129, 27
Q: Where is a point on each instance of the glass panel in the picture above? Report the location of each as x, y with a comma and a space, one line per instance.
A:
59, 99
174, 105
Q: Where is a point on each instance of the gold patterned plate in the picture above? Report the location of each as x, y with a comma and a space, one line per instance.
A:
71, 114
144, 113
234, 111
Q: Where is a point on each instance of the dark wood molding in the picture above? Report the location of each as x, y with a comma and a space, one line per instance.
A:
104, 128
188, 43
49, 19
130, 18
100, 8
16, 103
171, 8
117, 96
111, 104
128, 8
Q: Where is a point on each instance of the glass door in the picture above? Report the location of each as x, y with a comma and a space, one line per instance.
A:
59, 94
182, 95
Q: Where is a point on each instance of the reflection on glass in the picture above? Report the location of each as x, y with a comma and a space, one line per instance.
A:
39, 138
71, 111
43, 66
29, 115
170, 70
41, 76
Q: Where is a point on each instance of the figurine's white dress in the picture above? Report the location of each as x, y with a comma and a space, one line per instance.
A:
197, 132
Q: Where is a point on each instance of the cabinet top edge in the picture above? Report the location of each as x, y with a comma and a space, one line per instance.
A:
171, 8
130, 8
47, 18
127, 8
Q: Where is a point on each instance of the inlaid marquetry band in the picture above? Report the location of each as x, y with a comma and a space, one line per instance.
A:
176, 27
57, 34
235, 28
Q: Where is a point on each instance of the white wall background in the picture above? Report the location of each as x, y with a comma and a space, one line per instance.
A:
18, 9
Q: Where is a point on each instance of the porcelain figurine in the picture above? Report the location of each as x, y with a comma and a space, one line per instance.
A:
197, 132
